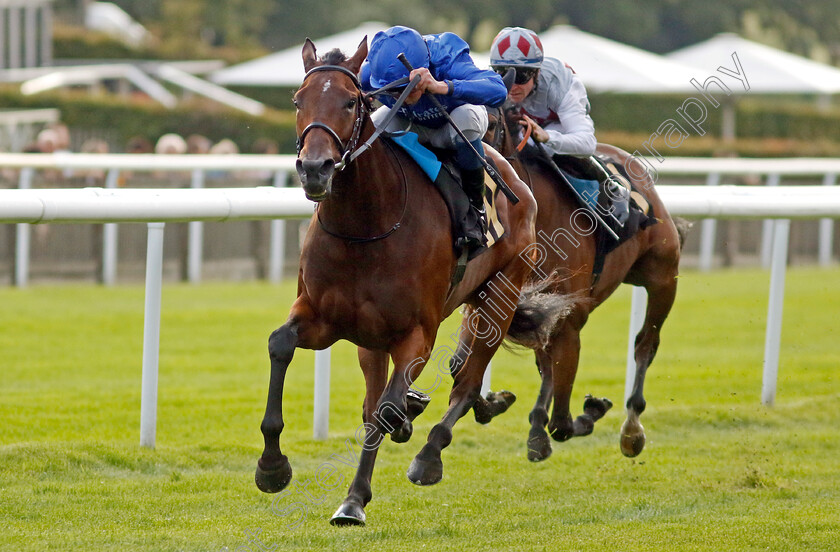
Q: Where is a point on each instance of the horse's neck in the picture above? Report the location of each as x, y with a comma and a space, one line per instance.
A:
367, 197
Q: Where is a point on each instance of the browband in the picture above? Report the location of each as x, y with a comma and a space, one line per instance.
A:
344, 70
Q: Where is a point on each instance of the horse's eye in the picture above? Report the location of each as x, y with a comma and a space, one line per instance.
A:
351, 103
295, 103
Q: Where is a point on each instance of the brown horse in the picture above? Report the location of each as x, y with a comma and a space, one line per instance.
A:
375, 270
567, 249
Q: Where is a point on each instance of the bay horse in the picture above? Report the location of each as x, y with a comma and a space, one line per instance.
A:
375, 269
649, 259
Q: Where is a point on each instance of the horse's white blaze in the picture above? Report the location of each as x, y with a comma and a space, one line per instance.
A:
326, 86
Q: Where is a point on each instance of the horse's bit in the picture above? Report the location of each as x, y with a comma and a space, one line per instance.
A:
350, 152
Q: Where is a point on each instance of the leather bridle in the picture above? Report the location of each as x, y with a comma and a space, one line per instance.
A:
350, 151
361, 109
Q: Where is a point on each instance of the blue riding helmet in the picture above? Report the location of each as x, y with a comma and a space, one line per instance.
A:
386, 45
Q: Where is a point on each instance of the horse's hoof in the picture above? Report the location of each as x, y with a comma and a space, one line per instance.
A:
562, 432
349, 513
494, 404
595, 407
403, 433
503, 398
539, 446
416, 402
632, 442
274, 479
482, 412
425, 471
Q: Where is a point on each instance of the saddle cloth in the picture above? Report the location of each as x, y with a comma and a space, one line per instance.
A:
632, 211
447, 180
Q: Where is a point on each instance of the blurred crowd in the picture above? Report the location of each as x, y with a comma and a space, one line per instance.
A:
56, 138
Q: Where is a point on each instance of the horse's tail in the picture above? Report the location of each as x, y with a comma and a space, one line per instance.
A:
538, 311
683, 226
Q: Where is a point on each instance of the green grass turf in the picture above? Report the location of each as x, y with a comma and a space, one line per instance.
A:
720, 472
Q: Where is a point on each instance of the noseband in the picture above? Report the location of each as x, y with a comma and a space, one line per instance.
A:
361, 108
350, 151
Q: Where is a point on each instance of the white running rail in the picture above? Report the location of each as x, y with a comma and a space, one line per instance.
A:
157, 206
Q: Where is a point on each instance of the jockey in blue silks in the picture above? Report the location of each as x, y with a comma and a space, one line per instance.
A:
446, 69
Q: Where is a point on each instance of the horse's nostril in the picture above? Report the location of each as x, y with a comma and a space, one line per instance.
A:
312, 166
315, 176
315, 168
327, 167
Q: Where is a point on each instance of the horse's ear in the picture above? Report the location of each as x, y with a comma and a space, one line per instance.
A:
355, 62
309, 57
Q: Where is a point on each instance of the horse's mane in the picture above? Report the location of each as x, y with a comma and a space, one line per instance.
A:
333, 57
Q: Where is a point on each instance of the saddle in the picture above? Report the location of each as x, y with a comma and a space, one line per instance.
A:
609, 191
465, 220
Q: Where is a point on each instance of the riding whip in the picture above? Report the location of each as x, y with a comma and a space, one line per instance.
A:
500, 182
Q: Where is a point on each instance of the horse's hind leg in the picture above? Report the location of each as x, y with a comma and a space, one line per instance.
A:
539, 445
496, 402
427, 467
660, 299
564, 351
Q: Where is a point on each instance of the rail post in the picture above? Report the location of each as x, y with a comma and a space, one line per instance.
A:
195, 236
321, 403
109, 238
767, 228
826, 236
22, 232
151, 335
708, 232
277, 236
773, 336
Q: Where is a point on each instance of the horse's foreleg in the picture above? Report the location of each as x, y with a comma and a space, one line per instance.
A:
660, 299
374, 366
539, 446
273, 469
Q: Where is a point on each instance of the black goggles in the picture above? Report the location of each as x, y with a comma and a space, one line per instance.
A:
523, 75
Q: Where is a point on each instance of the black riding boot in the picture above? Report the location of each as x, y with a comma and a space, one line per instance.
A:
472, 180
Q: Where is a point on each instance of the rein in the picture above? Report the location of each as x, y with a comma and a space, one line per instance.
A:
354, 239
527, 135
350, 152
502, 131
361, 109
